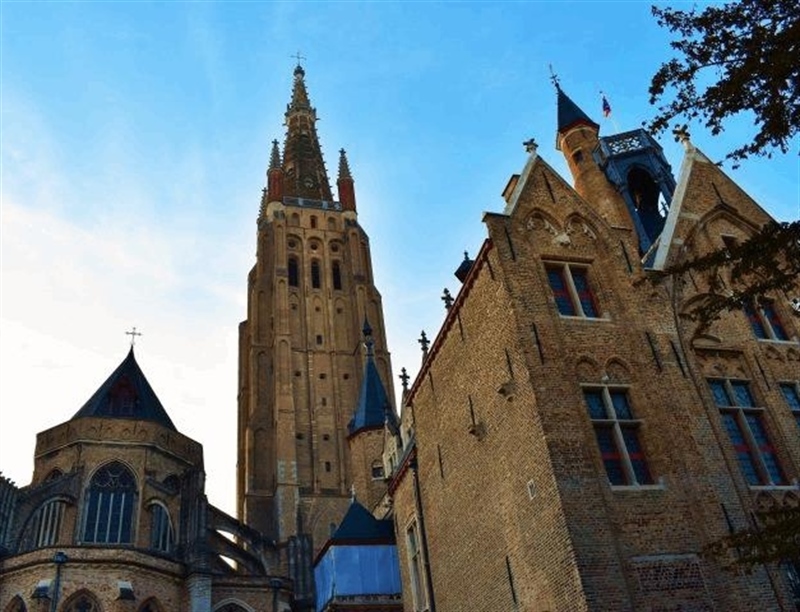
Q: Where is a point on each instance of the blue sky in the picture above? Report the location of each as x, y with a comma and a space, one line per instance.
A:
135, 138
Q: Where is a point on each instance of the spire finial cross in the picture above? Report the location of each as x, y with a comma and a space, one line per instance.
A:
404, 377
447, 299
133, 333
554, 77
298, 57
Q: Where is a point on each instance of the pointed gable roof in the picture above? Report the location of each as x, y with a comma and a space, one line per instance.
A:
126, 394
692, 202
360, 526
570, 114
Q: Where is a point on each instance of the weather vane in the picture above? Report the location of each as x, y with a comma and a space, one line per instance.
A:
133, 333
554, 77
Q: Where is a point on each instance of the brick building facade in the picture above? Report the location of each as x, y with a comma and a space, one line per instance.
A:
573, 441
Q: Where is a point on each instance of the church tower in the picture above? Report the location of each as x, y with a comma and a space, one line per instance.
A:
301, 353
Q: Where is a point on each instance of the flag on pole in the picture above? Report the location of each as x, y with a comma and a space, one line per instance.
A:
606, 105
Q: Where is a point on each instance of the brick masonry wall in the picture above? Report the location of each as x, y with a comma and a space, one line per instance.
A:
506, 352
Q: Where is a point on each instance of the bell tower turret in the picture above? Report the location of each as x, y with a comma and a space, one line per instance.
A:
577, 138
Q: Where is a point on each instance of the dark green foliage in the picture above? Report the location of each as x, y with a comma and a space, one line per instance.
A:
766, 263
733, 58
775, 539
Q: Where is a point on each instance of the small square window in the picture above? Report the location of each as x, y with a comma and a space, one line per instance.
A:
327, 466
319, 339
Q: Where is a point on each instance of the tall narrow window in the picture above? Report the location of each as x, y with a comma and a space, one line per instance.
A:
744, 423
617, 433
415, 567
336, 273
45, 525
764, 322
293, 272
315, 276
109, 504
161, 534
571, 290
791, 393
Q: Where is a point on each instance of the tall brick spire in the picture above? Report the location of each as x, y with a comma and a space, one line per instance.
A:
303, 167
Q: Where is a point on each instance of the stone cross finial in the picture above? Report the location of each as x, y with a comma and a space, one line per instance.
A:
530, 145
404, 377
133, 333
681, 134
424, 342
447, 299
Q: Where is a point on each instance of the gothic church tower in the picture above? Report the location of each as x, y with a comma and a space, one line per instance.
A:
301, 352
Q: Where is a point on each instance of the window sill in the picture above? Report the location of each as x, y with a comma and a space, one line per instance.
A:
789, 487
650, 487
579, 318
776, 341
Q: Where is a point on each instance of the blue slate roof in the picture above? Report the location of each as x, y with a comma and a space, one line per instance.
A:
569, 114
373, 406
359, 525
126, 394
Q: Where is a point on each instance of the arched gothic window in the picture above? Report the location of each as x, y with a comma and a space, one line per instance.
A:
45, 525
16, 605
293, 272
161, 533
82, 602
151, 605
109, 504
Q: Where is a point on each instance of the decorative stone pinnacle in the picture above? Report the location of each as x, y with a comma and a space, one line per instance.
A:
447, 299
404, 377
344, 166
681, 134
530, 145
275, 157
424, 342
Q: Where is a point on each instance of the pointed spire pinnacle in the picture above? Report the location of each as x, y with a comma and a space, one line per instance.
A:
347, 194
570, 114
275, 156
304, 170
300, 99
344, 167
